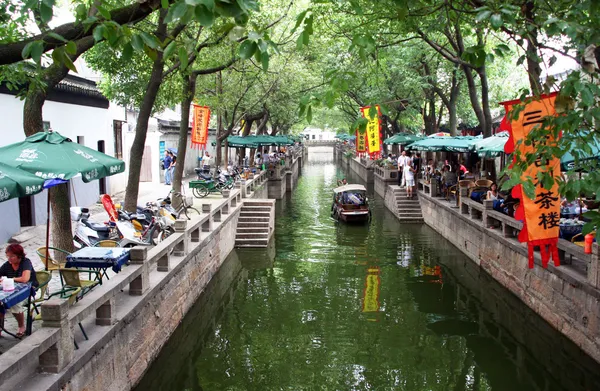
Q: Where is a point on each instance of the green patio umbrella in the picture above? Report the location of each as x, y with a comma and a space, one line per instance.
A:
444, 144
590, 159
55, 158
402, 139
15, 183
240, 142
50, 155
492, 146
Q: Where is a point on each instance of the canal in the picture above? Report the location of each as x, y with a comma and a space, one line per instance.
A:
380, 307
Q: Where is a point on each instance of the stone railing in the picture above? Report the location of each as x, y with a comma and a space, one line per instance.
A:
431, 188
368, 163
385, 173
570, 254
115, 305
566, 297
249, 185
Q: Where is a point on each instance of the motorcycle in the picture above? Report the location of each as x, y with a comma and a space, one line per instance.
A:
87, 233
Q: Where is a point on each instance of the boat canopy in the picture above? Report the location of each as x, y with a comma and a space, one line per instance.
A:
349, 188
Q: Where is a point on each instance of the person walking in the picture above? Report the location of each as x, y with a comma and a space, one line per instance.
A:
206, 162
166, 166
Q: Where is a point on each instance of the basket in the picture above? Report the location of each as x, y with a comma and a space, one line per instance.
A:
568, 231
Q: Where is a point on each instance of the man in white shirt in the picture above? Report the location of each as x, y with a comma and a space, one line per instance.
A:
403, 160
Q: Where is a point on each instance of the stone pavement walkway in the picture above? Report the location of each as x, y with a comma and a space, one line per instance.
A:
32, 238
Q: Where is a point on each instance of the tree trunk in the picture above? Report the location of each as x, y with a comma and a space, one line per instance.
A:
189, 90
141, 128
534, 70
62, 234
453, 120
486, 127
474, 96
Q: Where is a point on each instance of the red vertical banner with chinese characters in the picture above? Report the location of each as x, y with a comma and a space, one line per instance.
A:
361, 141
540, 215
373, 131
200, 126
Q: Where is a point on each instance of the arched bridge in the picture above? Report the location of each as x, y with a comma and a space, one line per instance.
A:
320, 143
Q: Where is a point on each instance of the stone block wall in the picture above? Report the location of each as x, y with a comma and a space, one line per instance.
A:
366, 174
560, 295
126, 356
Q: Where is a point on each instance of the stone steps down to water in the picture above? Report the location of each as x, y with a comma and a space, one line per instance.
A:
255, 224
407, 210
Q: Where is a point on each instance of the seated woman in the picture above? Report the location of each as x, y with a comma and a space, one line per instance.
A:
20, 268
448, 178
494, 195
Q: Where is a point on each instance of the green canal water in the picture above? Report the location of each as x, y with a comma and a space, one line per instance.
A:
383, 306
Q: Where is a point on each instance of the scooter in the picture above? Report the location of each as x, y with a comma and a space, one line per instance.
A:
87, 233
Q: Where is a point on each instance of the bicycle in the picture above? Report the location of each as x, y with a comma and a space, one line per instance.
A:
183, 207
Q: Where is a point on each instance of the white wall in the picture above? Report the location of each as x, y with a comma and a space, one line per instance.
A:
94, 124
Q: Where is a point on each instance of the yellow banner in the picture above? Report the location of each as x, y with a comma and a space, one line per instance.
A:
361, 141
373, 129
200, 125
371, 294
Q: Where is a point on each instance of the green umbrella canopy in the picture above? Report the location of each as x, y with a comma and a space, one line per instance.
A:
588, 159
491, 146
50, 155
15, 183
444, 144
402, 139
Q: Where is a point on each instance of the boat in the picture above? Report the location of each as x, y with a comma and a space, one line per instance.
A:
350, 203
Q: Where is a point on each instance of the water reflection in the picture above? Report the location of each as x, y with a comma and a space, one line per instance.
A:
380, 307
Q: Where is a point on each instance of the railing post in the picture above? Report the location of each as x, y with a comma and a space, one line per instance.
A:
593, 270
105, 314
138, 256
55, 313
207, 225
488, 205
181, 247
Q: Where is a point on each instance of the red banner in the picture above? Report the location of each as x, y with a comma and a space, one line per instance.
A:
540, 215
200, 126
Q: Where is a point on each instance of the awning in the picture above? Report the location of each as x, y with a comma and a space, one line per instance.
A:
349, 187
491, 146
402, 139
458, 144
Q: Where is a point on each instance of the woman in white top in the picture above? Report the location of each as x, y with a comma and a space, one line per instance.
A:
492, 193
409, 175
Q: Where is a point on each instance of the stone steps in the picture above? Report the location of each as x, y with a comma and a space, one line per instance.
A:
254, 229
253, 224
254, 214
253, 219
408, 210
256, 208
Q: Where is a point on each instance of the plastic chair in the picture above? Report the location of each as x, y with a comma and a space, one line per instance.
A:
43, 278
71, 280
52, 263
107, 243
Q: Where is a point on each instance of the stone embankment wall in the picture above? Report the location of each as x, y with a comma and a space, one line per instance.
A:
567, 297
130, 317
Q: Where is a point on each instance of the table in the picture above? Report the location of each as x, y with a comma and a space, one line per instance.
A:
8, 299
99, 258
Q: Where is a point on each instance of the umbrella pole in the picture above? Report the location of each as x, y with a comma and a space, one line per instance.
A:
47, 230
